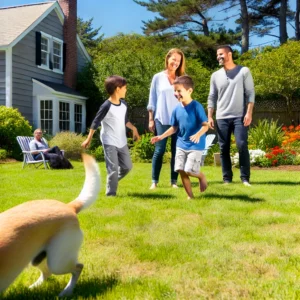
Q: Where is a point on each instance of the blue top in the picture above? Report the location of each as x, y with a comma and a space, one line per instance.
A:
189, 121
162, 100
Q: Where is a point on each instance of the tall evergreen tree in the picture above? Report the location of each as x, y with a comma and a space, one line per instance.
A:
89, 36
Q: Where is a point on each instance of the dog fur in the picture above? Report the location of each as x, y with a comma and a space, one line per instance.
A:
47, 234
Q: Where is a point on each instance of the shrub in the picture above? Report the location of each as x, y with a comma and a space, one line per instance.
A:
255, 155
70, 142
12, 124
266, 135
3, 153
98, 153
142, 150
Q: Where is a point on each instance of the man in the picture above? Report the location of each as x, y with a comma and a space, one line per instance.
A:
232, 96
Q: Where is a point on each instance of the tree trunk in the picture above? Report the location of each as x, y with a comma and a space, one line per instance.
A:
205, 27
245, 26
297, 21
282, 22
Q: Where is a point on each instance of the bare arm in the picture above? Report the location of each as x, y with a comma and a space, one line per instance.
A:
151, 121
87, 142
196, 137
135, 133
210, 113
167, 133
248, 116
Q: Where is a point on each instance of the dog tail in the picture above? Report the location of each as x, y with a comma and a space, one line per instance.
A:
91, 187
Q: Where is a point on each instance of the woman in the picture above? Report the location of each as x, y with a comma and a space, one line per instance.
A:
161, 105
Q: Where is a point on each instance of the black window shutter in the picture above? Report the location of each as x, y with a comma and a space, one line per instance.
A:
64, 56
50, 63
38, 48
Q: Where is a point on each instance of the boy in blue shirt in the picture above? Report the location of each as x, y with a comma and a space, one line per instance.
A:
190, 120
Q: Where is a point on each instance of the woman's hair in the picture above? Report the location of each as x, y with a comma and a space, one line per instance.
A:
112, 82
181, 69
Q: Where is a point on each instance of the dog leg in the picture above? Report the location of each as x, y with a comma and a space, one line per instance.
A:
45, 273
68, 290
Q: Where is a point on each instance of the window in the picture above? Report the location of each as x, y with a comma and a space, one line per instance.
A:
78, 118
49, 52
64, 116
46, 112
57, 55
45, 51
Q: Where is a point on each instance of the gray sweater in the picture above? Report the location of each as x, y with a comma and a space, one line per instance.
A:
230, 92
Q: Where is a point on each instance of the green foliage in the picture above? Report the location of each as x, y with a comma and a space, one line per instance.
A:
265, 135
70, 142
142, 150
88, 35
12, 124
3, 154
98, 153
277, 71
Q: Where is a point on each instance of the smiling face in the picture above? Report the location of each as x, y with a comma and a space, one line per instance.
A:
223, 56
183, 95
174, 62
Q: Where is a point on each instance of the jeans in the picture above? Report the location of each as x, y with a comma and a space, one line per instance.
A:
225, 127
160, 148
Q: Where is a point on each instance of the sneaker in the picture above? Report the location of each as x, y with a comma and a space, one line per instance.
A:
174, 185
246, 183
226, 182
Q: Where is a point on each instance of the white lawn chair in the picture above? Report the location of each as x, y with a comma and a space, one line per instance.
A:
208, 143
27, 154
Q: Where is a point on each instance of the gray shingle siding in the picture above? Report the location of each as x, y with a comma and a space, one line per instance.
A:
2, 77
81, 60
24, 67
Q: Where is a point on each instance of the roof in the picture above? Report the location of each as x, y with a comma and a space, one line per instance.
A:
59, 88
16, 19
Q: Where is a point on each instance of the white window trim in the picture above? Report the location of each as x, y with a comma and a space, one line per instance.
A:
50, 39
61, 54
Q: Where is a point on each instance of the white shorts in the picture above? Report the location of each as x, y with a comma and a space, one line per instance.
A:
188, 160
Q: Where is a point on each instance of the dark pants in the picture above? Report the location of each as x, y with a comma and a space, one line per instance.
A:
52, 152
225, 127
160, 148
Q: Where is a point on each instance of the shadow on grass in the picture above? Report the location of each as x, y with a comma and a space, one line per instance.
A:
152, 196
90, 288
276, 182
238, 197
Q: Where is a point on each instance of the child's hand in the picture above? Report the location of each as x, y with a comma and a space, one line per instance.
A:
155, 139
85, 144
195, 138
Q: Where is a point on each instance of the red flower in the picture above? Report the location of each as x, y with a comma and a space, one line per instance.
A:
284, 128
298, 127
291, 127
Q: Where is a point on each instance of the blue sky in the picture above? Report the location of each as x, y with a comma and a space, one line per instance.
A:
126, 16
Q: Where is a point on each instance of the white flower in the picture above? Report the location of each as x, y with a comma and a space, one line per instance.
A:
254, 154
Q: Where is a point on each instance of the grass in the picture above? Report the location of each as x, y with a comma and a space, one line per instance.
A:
231, 242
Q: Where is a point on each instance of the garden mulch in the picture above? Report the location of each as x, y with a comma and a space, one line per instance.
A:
280, 168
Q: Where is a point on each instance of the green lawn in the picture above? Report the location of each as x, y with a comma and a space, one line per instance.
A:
231, 242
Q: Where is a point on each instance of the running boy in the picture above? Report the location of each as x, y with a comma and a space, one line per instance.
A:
113, 118
190, 120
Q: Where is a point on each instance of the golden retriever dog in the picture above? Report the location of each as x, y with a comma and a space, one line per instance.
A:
47, 234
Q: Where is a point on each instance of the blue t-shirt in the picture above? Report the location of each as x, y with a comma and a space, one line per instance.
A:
189, 121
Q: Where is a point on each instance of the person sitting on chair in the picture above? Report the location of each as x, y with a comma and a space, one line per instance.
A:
54, 154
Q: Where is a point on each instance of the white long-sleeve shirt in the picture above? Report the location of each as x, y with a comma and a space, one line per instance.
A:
162, 100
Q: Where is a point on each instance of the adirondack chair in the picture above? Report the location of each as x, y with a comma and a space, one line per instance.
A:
208, 143
27, 154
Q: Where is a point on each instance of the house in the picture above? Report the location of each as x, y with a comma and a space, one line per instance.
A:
40, 55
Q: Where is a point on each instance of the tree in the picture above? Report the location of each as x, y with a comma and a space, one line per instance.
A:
178, 16
277, 72
87, 34
297, 21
